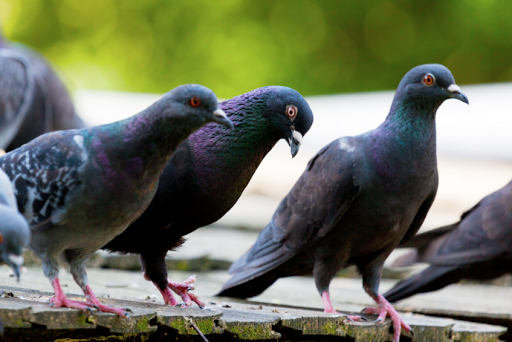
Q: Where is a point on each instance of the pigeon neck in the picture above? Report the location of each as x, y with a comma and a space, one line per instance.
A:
412, 120
154, 135
139, 146
407, 135
231, 156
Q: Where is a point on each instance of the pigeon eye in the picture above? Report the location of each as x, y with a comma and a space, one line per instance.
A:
291, 111
195, 101
429, 80
1, 239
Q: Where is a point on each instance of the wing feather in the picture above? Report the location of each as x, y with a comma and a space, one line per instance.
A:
44, 172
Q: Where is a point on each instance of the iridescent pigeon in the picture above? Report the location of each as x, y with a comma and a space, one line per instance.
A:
358, 198
78, 189
207, 175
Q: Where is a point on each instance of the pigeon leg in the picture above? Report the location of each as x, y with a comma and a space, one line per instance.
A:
371, 273
93, 301
155, 270
385, 309
182, 289
60, 300
77, 269
326, 300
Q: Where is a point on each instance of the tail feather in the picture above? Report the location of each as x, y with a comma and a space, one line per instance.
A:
431, 279
244, 286
423, 239
406, 259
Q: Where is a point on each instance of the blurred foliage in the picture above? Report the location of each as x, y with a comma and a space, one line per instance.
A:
234, 46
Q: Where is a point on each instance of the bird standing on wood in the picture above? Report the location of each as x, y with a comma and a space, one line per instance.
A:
78, 189
14, 230
49, 106
206, 176
358, 198
479, 246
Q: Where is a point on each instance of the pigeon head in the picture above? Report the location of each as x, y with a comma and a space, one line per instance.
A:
196, 103
428, 86
289, 113
14, 236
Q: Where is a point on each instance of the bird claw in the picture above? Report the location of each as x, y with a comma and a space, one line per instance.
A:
379, 320
128, 310
355, 318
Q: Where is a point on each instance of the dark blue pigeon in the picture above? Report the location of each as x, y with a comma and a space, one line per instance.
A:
47, 105
78, 189
478, 247
358, 198
207, 175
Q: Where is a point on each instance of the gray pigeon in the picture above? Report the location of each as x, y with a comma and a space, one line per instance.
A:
478, 247
78, 189
14, 230
47, 104
358, 198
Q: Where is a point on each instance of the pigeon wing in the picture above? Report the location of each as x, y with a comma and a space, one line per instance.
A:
483, 234
310, 210
44, 173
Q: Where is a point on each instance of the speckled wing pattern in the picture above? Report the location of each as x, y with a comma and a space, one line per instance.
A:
43, 173
310, 210
17, 87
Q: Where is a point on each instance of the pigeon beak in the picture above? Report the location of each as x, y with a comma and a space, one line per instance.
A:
221, 118
16, 261
457, 94
295, 141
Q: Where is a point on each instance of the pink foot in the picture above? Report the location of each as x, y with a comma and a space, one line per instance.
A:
61, 301
385, 309
94, 302
182, 289
168, 296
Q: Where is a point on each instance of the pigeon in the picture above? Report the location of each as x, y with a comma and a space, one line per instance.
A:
358, 198
48, 106
206, 176
17, 93
478, 247
14, 230
78, 189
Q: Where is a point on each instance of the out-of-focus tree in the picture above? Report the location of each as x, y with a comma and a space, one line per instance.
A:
233, 46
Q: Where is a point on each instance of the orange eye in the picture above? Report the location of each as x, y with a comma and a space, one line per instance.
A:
291, 111
195, 101
429, 80
1, 239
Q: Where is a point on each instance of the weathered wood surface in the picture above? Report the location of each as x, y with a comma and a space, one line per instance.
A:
26, 314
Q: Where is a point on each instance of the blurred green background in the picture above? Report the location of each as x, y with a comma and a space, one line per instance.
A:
234, 46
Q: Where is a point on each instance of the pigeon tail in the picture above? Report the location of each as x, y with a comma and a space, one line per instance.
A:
244, 287
430, 279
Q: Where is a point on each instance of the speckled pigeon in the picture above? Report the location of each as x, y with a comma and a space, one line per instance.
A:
78, 189
48, 104
479, 246
206, 176
14, 230
357, 199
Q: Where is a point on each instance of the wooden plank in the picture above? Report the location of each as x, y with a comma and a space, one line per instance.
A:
15, 313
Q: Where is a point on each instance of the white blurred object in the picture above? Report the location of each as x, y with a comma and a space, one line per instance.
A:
480, 130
